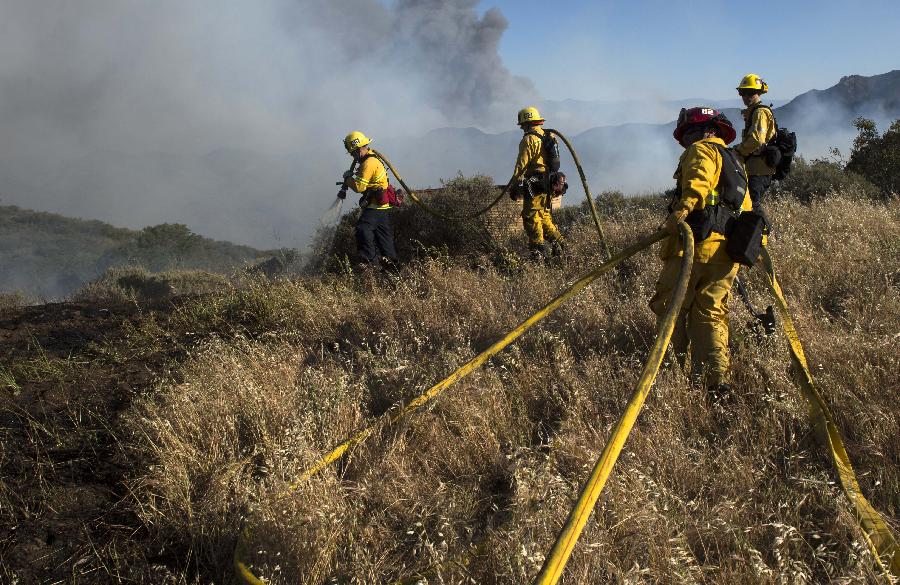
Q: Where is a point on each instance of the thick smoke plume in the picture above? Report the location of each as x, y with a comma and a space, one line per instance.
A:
228, 116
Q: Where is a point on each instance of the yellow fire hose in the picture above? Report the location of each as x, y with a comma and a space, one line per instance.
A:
418, 200
243, 572
587, 193
556, 561
878, 536
876, 532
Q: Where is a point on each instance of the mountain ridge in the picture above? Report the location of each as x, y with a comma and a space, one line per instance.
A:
635, 156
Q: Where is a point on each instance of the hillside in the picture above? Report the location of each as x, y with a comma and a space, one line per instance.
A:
47, 255
137, 440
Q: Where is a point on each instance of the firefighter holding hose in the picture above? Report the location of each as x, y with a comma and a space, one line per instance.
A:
374, 229
708, 204
538, 183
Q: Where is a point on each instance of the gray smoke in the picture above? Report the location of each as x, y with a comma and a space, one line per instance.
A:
228, 116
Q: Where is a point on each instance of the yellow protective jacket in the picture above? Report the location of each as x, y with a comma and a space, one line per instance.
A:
697, 176
371, 173
759, 128
531, 154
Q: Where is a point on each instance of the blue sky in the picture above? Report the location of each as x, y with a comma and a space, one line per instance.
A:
676, 49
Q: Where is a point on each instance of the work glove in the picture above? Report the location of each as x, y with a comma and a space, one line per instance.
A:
342, 194
347, 174
671, 223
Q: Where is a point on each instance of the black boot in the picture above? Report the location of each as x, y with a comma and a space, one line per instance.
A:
538, 252
718, 394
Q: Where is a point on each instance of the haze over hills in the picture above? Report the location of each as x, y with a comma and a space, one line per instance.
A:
46, 255
637, 157
274, 200
575, 115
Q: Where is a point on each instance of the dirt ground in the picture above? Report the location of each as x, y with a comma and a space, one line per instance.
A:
62, 388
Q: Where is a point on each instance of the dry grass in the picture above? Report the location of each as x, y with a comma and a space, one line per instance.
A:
136, 284
742, 494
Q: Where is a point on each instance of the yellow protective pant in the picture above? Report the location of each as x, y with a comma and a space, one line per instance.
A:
537, 221
703, 321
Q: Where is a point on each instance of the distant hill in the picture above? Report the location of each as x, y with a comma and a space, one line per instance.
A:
637, 157
49, 255
275, 199
824, 118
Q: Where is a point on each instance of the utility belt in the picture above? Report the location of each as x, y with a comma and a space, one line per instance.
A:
531, 185
744, 230
553, 184
381, 196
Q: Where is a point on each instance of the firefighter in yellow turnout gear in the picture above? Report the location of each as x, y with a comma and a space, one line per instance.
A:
374, 230
703, 322
531, 168
759, 129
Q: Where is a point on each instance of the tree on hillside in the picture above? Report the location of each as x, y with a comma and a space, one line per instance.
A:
168, 236
159, 247
877, 157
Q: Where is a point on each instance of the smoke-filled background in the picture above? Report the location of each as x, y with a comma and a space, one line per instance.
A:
228, 116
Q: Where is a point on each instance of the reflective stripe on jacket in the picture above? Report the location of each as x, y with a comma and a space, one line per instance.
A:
697, 175
759, 129
371, 174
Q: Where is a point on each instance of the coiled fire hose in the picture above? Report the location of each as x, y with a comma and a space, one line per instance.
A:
244, 573
587, 193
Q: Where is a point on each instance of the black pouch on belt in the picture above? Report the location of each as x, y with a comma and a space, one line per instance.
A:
744, 243
701, 223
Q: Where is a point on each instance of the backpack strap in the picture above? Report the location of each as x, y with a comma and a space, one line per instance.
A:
755, 107
542, 138
729, 158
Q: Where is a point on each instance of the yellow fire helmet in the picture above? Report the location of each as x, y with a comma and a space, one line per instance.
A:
355, 140
528, 115
753, 81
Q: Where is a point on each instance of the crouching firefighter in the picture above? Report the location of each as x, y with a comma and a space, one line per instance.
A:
374, 230
711, 197
538, 182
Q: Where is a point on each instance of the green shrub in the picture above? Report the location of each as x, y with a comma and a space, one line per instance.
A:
419, 234
819, 178
877, 158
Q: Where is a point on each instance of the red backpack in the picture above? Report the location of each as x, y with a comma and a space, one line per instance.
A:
391, 196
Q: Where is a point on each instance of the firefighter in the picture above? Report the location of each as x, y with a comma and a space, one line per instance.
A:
703, 321
374, 230
531, 173
759, 130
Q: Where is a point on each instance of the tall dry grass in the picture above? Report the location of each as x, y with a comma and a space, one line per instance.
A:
739, 493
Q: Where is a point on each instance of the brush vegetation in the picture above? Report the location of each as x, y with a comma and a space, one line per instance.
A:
181, 422
49, 255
